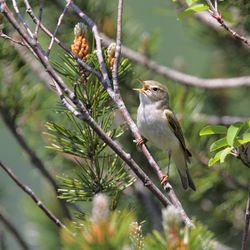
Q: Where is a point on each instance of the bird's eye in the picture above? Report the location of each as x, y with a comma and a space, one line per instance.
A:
154, 89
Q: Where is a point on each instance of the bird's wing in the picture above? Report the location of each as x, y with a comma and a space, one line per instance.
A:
176, 128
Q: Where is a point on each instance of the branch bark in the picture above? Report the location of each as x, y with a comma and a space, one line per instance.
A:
179, 77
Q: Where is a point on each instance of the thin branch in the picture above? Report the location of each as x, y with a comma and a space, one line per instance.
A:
25, 25
13, 230
4, 36
205, 17
246, 227
218, 17
117, 48
59, 22
30, 193
40, 12
179, 77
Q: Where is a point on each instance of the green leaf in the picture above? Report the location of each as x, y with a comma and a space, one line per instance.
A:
245, 138
214, 159
218, 144
225, 153
233, 131
193, 9
213, 130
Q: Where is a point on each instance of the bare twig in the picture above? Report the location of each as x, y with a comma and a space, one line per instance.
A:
29, 191
178, 76
4, 36
246, 227
117, 49
40, 12
25, 25
13, 230
57, 27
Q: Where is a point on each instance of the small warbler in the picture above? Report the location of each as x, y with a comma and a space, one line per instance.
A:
158, 124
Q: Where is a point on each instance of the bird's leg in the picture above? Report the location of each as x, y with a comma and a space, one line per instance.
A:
139, 142
164, 178
169, 162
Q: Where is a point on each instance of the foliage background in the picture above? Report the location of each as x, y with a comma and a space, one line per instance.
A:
184, 44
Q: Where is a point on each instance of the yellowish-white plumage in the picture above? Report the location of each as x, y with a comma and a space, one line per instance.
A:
158, 124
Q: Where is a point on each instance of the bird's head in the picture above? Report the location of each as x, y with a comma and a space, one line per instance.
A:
153, 92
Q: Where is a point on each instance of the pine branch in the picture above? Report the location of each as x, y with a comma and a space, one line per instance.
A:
33, 196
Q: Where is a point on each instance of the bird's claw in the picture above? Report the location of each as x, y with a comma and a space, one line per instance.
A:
140, 141
164, 180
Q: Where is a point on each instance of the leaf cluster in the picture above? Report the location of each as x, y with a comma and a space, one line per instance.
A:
234, 141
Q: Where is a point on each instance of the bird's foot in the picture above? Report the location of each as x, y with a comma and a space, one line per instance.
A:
139, 142
164, 182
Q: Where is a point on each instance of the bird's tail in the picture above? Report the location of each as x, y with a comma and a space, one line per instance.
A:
181, 165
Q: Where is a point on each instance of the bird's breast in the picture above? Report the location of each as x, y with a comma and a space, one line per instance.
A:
153, 125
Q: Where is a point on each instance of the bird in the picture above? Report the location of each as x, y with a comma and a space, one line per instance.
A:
158, 124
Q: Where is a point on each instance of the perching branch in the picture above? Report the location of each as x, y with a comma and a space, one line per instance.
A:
246, 227
13, 230
30, 193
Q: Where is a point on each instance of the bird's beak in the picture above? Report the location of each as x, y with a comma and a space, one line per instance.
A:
144, 86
